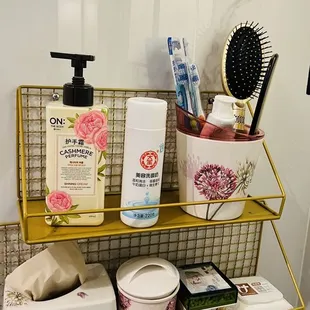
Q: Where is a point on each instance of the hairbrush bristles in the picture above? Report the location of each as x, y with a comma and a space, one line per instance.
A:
245, 60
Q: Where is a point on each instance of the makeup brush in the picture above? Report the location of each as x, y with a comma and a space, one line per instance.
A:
262, 95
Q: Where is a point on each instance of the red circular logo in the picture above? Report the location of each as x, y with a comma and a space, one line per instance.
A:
149, 160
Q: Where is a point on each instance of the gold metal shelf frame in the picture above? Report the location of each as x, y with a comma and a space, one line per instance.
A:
31, 102
232, 245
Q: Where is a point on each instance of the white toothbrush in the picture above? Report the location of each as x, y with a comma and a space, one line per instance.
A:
195, 79
172, 44
180, 75
189, 79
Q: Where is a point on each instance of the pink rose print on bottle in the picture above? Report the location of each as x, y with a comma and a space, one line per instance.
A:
88, 124
125, 302
58, 201
101, 139
92, 128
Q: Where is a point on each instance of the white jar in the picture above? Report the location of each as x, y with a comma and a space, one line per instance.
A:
147, 283
143, 159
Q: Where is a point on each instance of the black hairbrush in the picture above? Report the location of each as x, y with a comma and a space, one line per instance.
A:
245, 59
262, 95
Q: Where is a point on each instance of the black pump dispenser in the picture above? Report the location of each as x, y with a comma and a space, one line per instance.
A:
77, 93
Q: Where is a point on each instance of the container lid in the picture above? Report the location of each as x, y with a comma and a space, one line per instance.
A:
148, 277
256, 290
222, 108
146, 113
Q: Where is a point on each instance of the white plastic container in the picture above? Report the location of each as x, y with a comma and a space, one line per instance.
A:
212, 169
256, 293
147, 283
143, 159
222, 115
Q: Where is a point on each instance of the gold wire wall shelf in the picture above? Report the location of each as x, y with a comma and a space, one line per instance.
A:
234, 246
31, 102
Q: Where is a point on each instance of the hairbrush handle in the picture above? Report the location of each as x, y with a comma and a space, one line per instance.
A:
308, 84
262, 94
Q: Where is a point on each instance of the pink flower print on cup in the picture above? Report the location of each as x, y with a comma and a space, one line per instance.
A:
88, 124
58, 201
125, 302
82, 294
101, 139
172, 304
215, 182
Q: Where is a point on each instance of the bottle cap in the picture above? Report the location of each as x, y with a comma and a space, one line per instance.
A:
148, 277
146, 113
222, 111
77, 93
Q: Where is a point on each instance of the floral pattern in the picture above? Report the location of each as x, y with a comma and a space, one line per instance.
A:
245, 174
190, 166
92, 128
172, 304
58, 201
88, 124
82, 294
215, 181
14, 299
125, 302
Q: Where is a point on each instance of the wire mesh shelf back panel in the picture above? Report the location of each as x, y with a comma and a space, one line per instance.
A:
34, 101
233, 248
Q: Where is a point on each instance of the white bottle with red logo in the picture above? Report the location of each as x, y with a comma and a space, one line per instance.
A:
143, 159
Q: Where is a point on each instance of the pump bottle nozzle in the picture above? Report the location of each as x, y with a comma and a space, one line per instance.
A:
77, 93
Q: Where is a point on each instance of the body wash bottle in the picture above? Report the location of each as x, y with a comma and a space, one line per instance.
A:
144, 147
76, 142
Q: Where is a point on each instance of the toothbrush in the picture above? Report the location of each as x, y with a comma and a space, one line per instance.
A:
189, 76
183, 83
195, 78
179, 75
172, 44
194, 82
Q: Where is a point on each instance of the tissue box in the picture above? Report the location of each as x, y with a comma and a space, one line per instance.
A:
257, 293
204, 286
